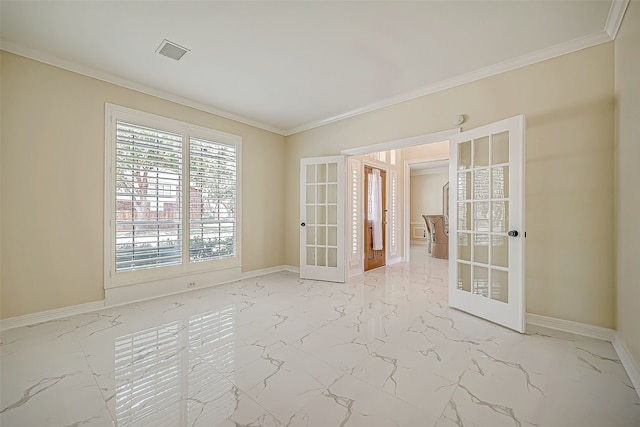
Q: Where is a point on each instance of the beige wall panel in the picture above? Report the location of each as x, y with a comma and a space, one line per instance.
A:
433, 151
426, 195
53, 187
568, 102
627, 54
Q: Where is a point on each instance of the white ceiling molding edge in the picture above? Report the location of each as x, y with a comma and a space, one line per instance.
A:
130, 84
492, 70
417, 172
614, 20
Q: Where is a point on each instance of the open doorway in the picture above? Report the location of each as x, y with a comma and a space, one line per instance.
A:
427, 189
395, 157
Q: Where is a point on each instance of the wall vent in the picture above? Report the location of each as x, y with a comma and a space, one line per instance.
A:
171, 50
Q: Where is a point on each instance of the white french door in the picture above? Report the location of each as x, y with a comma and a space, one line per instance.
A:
322, 213
486, 224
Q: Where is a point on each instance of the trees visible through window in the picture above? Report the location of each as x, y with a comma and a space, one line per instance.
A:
213, 200
148, 197
167, 181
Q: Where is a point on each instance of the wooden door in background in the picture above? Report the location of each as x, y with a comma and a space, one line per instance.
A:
374, 259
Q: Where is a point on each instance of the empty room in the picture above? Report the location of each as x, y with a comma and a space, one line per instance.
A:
418, 213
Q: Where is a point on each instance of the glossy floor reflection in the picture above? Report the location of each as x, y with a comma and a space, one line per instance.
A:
382, 350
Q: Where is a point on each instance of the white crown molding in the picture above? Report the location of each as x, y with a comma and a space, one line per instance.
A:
129, 84
492, 70
434, 171
614, 20
613, 23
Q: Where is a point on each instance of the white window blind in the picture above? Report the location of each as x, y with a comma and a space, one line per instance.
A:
393, 232
172, 201
212, 210
148, 197
354, 166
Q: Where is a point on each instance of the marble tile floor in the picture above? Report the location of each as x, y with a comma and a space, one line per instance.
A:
382, 350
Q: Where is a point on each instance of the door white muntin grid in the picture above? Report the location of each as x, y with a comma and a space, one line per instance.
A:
322, 218
486, 268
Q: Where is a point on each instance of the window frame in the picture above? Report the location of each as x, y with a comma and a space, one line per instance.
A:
113, 278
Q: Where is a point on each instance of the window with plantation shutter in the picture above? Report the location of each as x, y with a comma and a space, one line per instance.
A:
148, 197
212, 213
172, 200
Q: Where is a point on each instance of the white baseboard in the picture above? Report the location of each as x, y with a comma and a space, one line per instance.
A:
121, 295
583, 329
353, 272
269, 270
291, 269
395, 260
48, 315
605, 334
59, 313
628, 362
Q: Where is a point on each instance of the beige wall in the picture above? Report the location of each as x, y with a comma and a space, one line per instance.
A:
568, 102
52, 184
627, 65
426, 195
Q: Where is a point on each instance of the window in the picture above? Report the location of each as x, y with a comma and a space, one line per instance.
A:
212, 213
172, 197
148, 196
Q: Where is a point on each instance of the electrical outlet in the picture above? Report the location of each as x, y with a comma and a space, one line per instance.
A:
191, 284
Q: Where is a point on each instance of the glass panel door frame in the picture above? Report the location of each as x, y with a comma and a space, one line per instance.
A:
322, 218
486, 202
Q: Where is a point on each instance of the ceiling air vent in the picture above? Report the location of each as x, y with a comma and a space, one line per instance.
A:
171, 50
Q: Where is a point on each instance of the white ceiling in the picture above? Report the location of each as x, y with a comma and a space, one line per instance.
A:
290, 66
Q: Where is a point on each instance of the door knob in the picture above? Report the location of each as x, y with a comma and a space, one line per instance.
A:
302, 224
513, 233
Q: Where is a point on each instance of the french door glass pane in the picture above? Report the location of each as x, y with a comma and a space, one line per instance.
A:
481, 248
322, 214
500, 148
481, 184
481, 281
464, 155
464, 186
483, 216
464, 246
500, 216
464, 277
500, 182
481, 152
499, 285
464, 216
322, 235
311, 235
500, 251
